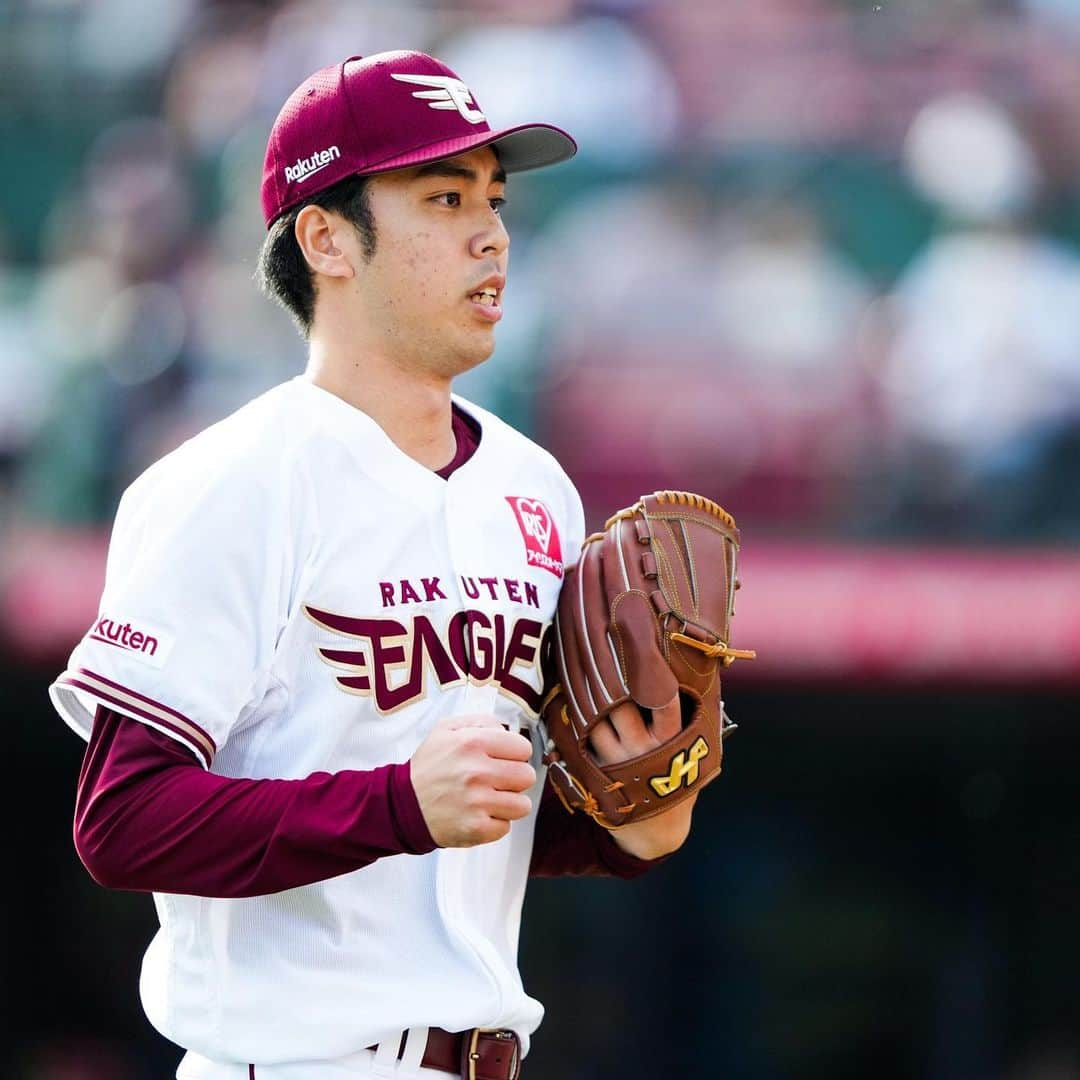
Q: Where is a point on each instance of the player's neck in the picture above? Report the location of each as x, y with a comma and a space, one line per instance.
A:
414, 410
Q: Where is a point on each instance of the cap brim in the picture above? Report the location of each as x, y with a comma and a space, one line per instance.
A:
531, 146
526, 146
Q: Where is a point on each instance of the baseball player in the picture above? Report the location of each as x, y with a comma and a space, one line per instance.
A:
311, 692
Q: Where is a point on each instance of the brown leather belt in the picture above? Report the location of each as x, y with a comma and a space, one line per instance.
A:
478, 1054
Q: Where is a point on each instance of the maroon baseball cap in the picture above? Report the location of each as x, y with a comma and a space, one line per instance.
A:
382, 112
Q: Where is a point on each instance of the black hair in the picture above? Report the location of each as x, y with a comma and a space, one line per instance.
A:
284, 273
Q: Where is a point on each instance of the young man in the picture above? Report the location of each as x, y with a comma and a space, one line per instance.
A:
311, 691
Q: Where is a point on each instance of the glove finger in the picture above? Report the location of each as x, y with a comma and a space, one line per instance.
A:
567, 652
588, 659
699, 543
598, 652
634, 625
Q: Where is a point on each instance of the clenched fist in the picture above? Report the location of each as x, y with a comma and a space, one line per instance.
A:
470, 775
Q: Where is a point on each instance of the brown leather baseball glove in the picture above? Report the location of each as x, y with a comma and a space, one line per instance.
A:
643, 617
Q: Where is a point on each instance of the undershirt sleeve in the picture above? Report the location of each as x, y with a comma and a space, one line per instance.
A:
573, 844
148, 817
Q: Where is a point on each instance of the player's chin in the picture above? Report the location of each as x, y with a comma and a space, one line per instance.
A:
476, 347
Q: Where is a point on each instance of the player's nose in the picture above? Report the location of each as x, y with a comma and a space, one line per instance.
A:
491, 239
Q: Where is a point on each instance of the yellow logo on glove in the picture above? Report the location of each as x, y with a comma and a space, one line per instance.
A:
681, 769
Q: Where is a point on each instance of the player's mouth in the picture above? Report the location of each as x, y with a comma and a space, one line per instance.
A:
487, 300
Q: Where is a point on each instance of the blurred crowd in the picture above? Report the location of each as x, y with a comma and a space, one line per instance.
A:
818, 260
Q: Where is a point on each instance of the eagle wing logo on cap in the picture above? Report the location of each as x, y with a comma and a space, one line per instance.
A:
446, 93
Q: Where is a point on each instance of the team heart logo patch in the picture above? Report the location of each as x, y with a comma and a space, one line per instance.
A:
542, 547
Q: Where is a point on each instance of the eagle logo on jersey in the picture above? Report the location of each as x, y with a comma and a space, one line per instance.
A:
391, 662
542, 546
446, 93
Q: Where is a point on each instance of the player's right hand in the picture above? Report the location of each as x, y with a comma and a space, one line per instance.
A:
470, 775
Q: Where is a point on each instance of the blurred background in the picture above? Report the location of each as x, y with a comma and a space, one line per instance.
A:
822, 259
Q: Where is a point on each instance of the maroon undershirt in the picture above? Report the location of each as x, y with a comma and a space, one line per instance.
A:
149, 817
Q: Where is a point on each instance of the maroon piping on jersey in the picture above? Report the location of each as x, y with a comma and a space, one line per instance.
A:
190, 733
142, 697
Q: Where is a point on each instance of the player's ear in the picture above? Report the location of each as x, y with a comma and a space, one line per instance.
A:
319, 235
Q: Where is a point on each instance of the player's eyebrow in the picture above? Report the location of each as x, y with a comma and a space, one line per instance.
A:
457, 172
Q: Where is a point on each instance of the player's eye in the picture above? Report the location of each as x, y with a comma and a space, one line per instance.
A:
449, 198
497, 204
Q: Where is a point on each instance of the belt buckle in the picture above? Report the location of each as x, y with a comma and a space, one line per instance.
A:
472, 1052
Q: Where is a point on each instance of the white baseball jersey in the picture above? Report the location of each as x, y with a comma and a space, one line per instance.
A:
289, 592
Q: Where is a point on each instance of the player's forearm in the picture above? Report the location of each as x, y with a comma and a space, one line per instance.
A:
149, 818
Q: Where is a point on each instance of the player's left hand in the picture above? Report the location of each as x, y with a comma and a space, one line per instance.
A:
627, 734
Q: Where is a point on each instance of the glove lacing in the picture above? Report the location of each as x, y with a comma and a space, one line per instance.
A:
719, 649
